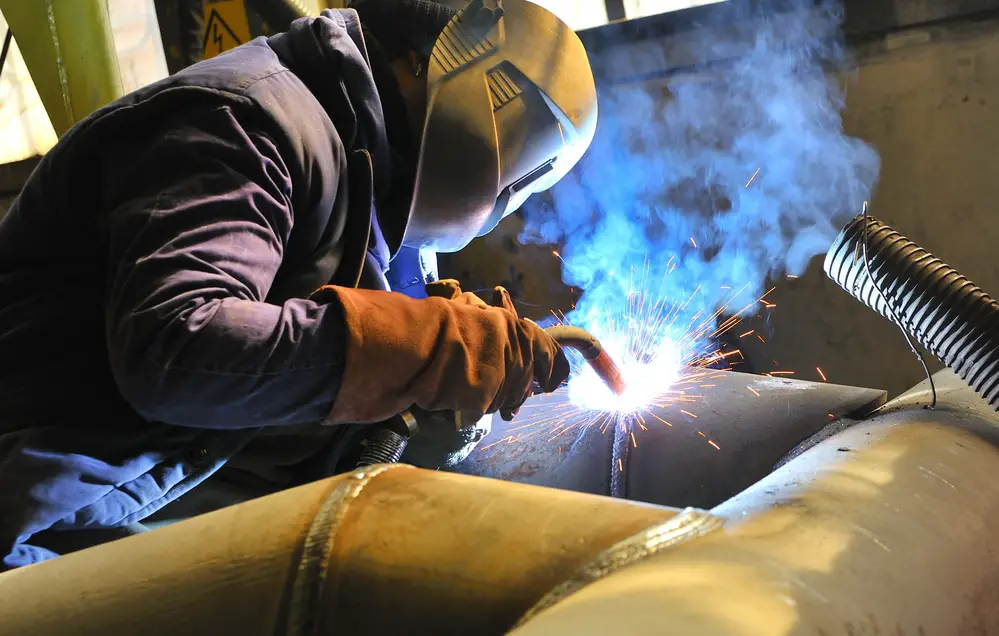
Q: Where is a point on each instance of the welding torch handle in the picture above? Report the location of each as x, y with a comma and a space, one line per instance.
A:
578, 339
592, 351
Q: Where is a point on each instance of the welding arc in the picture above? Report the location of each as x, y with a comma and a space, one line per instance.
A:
944, 311
592, 351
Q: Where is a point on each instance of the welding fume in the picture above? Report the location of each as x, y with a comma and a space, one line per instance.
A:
248, 312
703, 190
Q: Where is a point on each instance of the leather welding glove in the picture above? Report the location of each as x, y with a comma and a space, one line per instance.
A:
439, 354
451, 289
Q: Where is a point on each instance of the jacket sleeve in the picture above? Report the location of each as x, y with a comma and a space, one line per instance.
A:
194, 246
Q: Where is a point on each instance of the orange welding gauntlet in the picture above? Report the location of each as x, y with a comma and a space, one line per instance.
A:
449, 352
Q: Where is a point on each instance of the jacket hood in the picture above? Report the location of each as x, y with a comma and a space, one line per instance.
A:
329, 55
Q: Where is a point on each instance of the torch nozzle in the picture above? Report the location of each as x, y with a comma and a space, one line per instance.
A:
593, 352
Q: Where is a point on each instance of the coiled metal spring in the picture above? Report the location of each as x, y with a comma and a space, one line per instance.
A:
383, 447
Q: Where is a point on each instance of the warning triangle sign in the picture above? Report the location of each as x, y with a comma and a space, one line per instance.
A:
219, 36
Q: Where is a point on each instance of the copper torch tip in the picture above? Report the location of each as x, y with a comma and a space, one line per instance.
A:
609, 372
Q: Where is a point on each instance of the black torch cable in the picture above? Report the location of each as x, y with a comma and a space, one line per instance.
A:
578, 339
6, 47
892, 309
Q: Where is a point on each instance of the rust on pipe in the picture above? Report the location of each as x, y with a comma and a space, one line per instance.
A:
382, 550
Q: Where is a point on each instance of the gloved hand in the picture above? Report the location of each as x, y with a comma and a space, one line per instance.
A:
439, 354
451, 289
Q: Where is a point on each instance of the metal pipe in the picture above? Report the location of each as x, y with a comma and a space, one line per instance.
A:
944, 311
885, 528
384, 550
592, 351
671, 465
69, 50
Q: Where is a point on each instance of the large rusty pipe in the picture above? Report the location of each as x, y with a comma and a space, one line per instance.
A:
384, 550
886, 528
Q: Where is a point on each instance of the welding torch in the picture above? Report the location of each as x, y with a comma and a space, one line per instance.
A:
566, 336
587, 345
390, 439
592, 351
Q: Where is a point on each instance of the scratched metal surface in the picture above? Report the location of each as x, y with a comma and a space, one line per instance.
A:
670, 465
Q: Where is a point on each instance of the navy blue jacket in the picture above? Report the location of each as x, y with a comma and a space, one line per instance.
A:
155, 274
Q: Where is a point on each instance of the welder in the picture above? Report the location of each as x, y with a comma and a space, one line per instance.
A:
198, 275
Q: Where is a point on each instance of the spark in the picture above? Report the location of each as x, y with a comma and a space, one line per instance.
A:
753, 178
761, 338
791, 277
782, 373
753, 391
668, 351
499, 441
748, 333
556, 254
693, 242
716, 446
821, 374
662, 420
620, 465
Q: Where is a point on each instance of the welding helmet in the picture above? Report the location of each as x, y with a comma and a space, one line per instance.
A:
511, 107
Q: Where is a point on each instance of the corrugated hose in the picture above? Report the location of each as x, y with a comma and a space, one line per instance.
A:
946, 313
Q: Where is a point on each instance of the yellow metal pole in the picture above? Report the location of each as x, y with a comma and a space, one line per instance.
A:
69, 50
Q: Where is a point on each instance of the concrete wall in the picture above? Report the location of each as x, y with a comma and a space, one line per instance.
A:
928, 99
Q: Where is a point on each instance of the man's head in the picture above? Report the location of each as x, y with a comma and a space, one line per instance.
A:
405, 32
501, 97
